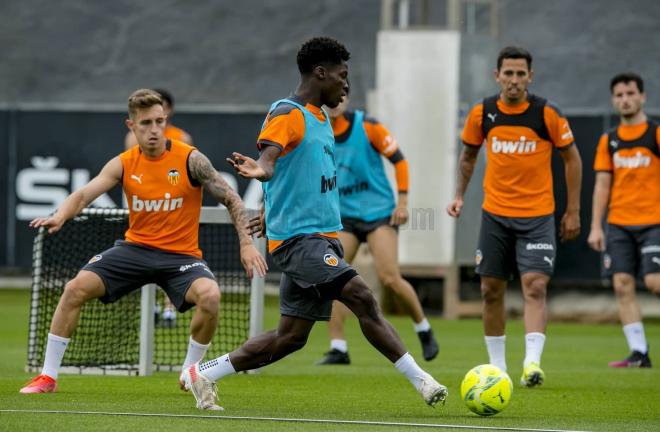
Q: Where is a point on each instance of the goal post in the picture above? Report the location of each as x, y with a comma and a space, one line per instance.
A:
132, 336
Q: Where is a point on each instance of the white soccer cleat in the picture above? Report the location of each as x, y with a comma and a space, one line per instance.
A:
204, 390
432, 391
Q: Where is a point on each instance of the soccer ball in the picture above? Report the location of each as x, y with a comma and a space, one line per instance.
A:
486, 390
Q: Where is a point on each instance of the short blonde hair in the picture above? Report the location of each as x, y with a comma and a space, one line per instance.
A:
142, 99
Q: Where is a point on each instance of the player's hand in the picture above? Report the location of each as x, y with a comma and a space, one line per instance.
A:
257, 225
454, 208
245, 166
597, 239
253, 260
53, 223
570, 225
399, 216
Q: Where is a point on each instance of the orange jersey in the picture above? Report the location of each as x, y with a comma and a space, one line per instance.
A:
174, 133
632, 154
519, 141
164, 205
285, 128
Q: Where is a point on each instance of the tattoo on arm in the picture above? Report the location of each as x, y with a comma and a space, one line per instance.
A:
202, 170
465, 168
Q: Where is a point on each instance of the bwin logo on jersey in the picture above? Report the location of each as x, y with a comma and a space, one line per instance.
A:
166, 204
639, 160
510, 147
539, 246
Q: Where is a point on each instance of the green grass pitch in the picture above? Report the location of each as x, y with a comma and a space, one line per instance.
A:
580, 392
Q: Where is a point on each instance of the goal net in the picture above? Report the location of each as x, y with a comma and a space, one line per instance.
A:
137, 334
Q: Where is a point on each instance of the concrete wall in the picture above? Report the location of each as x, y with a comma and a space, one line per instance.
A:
228, 52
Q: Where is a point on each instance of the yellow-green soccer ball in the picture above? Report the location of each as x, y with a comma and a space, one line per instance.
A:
486, 390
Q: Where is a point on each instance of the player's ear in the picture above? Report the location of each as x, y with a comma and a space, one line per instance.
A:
320, 72
531, 75
130, 123
496, 73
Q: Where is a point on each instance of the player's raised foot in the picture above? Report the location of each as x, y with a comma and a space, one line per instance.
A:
432, 391
40, 384
532, 375
335, 357
430, 347
635, 360
203, 389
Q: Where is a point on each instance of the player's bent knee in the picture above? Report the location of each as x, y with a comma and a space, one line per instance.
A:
78, 291
207, 295
293, 341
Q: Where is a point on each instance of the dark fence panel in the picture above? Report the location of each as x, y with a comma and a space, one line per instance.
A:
59, 151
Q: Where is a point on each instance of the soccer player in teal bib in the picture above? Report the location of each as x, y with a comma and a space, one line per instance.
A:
297, 166
370, 214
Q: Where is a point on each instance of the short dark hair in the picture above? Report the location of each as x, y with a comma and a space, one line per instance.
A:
512, 52
320, 50
625, 78
165, 96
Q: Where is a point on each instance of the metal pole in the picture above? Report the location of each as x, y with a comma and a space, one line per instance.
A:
147, 302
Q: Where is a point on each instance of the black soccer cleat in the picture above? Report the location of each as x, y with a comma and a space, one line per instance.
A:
335, 357
430, 347
635, 360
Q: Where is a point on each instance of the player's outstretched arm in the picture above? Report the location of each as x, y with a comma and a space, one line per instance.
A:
466, 165
570, 221
261, 169
203, 171
109, 176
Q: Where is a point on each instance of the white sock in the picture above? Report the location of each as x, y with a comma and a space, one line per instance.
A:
635, 336
422, 326
533, 347
496, 346
217, 368
195, 352
339, 344
55, 348
407, 366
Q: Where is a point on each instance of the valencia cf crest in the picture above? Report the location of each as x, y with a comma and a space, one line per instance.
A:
94, 259
478, 256
331, 260
173, 176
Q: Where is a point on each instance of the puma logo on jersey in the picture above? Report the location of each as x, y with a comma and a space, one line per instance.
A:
656, 260
136, 178
548, 260
491, 116
165, 204
510, 147
614, 144
639, 160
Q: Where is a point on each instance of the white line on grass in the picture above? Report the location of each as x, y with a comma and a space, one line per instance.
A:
292, 420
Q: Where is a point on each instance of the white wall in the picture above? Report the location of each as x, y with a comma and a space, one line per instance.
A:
416, 98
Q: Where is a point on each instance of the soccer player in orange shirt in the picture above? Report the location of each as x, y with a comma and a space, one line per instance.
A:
520, 131
163, 180
627, 184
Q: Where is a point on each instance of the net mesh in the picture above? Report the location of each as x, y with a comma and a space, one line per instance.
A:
108, 336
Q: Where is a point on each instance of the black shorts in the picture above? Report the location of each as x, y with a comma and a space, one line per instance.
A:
126, 267
313, 274
506, 242
361, 229
632, 249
